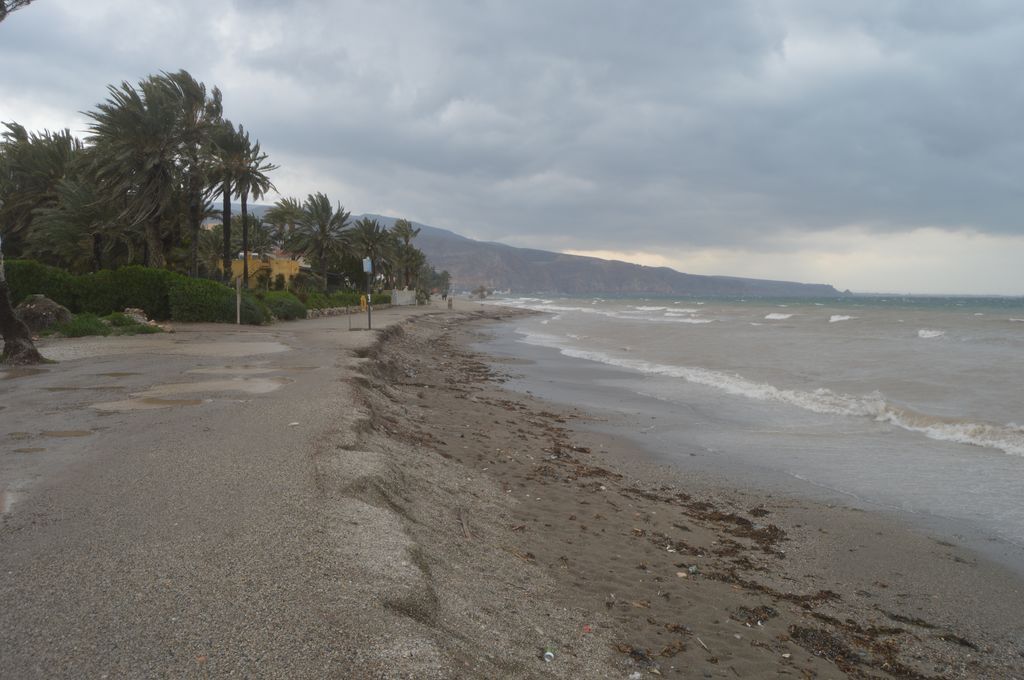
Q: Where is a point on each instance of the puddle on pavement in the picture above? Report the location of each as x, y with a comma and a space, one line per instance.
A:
65, 433
232, 370
228, 349
30, 449
21, 372
145, 404
157, 397
70, 388
157, 401
8, 499
247, 385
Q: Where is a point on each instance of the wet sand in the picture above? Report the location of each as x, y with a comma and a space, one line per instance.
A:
689, 579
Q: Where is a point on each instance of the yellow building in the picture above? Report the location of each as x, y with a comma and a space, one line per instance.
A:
263, 272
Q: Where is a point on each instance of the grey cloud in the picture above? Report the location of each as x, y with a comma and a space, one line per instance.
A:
628, 125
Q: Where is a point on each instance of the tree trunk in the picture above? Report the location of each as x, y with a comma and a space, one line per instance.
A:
154, 244
18, 346
226, 215
245, 239
195, 218
97, 251
323, 268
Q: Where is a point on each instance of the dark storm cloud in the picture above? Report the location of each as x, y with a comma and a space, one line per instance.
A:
591, 124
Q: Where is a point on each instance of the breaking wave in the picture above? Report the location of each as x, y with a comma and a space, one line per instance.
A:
1007, 438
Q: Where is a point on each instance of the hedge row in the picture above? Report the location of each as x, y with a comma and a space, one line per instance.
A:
161, 294
322, 301
283, 305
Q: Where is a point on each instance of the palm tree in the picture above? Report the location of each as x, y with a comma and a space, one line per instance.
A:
79, 232
135, 134
228, 157
251, 180
199, 117
369, 239
31, 168
405, 252
321, 233
8, 6
283, 216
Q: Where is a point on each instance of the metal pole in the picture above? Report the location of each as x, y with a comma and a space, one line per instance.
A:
369, 302
238, 301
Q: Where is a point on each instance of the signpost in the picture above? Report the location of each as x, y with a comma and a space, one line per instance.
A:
368, 268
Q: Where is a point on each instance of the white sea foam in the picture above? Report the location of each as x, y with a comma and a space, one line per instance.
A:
690, 320
644, 308
681, 312
1017, 320
1008, 438
840, 317
775, 316
927, 333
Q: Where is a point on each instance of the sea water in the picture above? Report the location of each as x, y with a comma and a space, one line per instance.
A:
913, 404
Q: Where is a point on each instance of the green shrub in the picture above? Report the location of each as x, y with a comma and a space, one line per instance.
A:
122, 324
204, 300
283, 305
119, 320
113, 290
82, 325
27, 277
343, 299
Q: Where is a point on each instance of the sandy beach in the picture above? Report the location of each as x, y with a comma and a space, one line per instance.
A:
681, 578
390, 510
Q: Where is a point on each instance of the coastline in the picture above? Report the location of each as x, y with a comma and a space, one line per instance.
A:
732, 582
390, 509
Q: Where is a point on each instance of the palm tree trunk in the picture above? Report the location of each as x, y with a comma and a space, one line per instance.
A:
226, 215
245, 239
195, 218
18, 346
154, 244
323, 268
97, 251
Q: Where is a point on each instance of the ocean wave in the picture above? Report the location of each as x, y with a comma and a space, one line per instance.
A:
645, 308
689, 320
775, 316
681, 312
927, 333
1017, 320
1007, 438
840, 317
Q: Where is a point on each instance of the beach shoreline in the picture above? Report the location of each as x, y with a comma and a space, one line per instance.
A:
392, 510
732, 582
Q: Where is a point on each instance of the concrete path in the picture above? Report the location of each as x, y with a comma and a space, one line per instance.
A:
160, 511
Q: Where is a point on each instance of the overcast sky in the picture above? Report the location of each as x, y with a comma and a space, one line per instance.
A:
874, 145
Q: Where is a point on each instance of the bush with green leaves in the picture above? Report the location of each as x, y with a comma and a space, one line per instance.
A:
27, 277
343, 299
204, 300
112, 290
83, 325
283, 305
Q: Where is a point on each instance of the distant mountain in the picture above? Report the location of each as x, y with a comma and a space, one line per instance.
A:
524, 270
